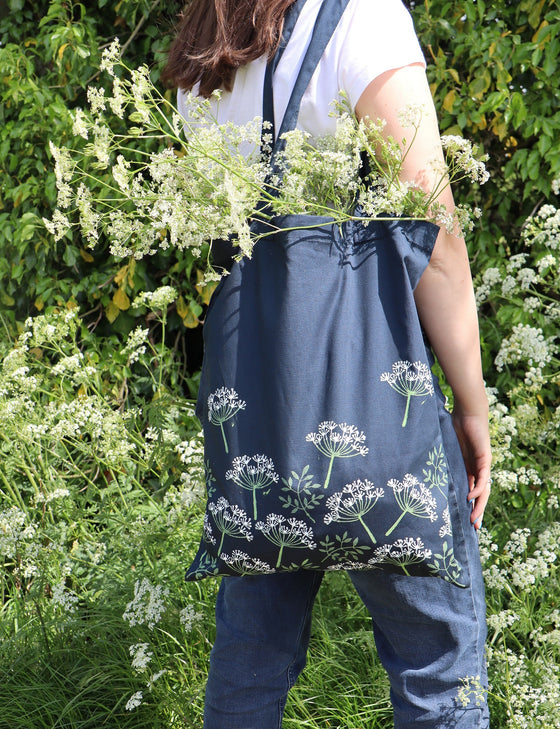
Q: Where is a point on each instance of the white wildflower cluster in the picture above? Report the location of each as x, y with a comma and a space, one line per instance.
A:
49, 329
157, 300
190, 618
75, 368
61, 493
16, 531
62, 597
134, 701
462, 161
320, 172
141, 656
179, 500
87, 415
520, 566
502, 620
532, 691
147, 605
544, 228
208, 180
507, 480
135, 344
525, 344
491, 277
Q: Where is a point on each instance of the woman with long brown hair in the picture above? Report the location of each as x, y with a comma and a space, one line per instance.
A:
429, 633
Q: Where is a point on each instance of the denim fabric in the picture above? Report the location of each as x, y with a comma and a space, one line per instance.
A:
429, 634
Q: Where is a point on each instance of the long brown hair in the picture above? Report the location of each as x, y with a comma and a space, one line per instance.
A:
215, 37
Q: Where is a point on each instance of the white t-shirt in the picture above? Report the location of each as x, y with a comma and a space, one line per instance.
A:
373, 36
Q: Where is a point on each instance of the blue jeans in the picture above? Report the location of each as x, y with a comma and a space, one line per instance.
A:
429, 634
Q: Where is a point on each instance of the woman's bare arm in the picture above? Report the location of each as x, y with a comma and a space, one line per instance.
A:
444, 295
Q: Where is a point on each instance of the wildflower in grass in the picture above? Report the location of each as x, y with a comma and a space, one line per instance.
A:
157, 300
402, 553
352, 503
134, 701
223, 404
189, 618
286, 532
255, 473
147, 606
413, 498
502, 620
230, 519
135, 344
140, 655
15, 529
62, 597
337, 440
155, 677
411, 379
525, 344
461, 153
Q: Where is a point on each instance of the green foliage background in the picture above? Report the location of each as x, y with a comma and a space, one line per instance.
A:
493, 69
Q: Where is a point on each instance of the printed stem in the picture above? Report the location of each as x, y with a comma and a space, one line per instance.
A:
329, 472
255, 504
407, 573
373, 539
395, 524
280, 556
405, 419
224, 437
221, 544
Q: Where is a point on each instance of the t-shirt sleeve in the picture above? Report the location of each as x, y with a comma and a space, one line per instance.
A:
379, 37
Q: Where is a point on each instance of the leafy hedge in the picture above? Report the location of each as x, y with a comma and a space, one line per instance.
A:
492, 67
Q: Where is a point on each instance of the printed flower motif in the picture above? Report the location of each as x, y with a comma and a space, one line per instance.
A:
352, 503
230, 519
223, 404
244, 564
445, 530
402, 553
207, 534
286, 532
253, 473
413, 498
337, 440
409, 379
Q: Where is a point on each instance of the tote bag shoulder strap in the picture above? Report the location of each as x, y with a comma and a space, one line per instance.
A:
329, 16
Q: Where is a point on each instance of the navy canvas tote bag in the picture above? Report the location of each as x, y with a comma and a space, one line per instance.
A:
327, 442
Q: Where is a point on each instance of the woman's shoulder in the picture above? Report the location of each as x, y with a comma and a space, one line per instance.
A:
374, 36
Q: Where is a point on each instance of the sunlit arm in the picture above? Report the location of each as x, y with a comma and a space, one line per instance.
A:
444, 295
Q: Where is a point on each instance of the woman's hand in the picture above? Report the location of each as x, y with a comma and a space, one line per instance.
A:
474, 439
